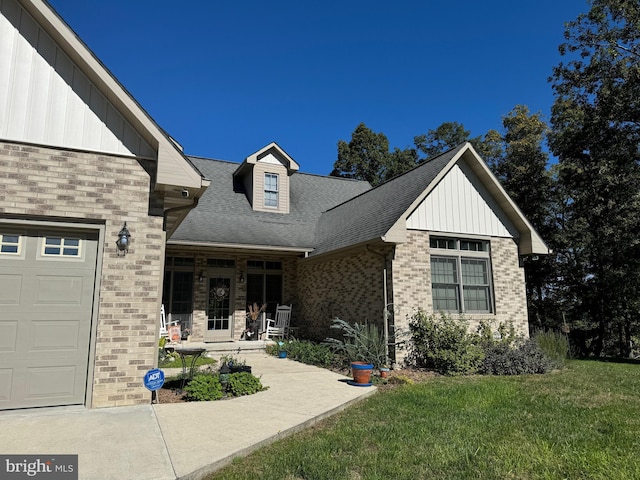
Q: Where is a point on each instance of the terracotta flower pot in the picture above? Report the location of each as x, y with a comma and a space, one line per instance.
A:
361, 372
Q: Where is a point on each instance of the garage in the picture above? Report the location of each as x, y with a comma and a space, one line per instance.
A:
47, 284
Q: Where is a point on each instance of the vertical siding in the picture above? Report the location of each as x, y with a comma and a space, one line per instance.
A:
45, 98
460, 204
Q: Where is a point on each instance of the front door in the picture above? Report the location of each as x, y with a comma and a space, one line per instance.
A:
219, 309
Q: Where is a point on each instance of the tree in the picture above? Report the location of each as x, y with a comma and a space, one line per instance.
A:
451, 134
521, 165
596, 136
367, 157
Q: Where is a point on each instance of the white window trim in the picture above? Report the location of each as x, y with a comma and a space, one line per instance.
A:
459, 255
20, 244
61, 254
276, 191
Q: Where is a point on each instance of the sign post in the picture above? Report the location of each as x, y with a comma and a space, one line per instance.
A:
153, 380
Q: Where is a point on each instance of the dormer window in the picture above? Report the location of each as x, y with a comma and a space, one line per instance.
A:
265, 177
271, 190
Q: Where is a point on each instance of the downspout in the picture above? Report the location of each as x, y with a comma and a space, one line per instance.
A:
167, 211
385, 299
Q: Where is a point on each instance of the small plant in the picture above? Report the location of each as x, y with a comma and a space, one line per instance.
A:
232, 361
244, 383
444, 344
554, 344
359, 342
204, 388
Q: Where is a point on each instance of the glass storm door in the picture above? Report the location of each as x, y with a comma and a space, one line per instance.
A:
219, 309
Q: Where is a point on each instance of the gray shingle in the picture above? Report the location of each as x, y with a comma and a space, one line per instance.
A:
225, 216
370, 215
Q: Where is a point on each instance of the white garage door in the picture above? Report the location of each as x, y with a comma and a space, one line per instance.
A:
47, 282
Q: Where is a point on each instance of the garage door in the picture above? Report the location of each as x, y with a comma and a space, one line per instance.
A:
47, 282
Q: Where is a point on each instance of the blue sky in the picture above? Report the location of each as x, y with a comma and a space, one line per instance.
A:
226, 78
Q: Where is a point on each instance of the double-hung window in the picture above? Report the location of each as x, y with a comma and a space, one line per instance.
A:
271, 190
460, 275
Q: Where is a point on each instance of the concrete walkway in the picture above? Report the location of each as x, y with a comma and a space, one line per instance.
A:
183, 440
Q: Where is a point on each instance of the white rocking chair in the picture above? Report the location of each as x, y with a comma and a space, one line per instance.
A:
164, 325
279, 327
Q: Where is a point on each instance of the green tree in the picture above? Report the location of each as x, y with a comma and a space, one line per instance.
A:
521, 165
596, 136
367, 157
451, 134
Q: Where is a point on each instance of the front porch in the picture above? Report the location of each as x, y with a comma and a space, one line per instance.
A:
207, 293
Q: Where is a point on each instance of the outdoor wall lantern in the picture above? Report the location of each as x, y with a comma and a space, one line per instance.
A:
123, 240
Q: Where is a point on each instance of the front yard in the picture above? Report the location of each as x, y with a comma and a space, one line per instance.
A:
578, 423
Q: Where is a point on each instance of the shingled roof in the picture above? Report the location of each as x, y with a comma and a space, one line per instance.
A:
373, 213
224, 215
331, 213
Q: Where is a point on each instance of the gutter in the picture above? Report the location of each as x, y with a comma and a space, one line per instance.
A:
167, 211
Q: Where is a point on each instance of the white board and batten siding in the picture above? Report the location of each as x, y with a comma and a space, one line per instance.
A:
460, 204
46, 99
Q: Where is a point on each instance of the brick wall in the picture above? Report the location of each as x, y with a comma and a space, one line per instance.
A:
42, 183
411, 271
349, 287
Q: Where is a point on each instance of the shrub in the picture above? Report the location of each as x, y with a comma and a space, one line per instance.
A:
307, 352
359, 342
515, 358
203, 388
554, 344
443, 344
244, 383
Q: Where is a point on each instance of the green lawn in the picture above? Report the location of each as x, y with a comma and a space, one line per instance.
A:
580, 423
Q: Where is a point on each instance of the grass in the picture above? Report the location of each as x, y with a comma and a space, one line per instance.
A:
580, 423
176, 363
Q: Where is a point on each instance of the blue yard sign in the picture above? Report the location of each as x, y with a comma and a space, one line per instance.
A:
154, 379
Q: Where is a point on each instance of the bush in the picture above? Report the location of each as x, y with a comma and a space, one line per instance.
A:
244, 383
444, 344
203, 388
359, 342
307, 352
554, 344
515, 358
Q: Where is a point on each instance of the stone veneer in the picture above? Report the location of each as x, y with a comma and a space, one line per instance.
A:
40, 183
412, 283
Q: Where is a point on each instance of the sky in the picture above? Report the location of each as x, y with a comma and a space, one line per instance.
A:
226, 78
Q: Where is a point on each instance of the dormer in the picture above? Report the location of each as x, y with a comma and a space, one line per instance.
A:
265, 178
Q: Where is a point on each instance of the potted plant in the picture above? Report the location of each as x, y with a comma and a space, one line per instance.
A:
363, 345
282, 350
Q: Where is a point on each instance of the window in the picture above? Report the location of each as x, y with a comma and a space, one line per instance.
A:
265, 283
271, 190
460, 275
61, 247
9, 244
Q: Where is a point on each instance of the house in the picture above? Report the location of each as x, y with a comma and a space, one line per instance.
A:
443, 237
84, 166
79, 160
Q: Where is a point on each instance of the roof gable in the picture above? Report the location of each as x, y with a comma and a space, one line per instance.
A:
94, 88
382, 213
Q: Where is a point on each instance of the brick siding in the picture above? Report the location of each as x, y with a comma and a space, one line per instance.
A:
48, 184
